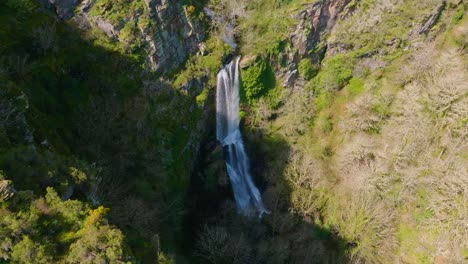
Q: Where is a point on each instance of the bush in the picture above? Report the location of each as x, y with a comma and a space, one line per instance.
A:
458, 16
323, 100
306, 70
354, 87
256, 80
334, 74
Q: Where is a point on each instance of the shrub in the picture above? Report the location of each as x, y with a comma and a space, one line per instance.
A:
201, 98
458, 16
323, 100
325, 122
256, 80
354, 87
336, 72
306, 70
190, 10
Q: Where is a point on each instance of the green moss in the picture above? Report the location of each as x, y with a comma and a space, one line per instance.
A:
201, 98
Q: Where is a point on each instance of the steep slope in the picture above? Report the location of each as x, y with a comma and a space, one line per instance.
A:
83, 120
360, 139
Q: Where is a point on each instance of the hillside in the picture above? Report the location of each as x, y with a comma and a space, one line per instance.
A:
354, 116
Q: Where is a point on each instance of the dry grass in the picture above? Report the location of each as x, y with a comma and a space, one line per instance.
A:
396, 184
418, 161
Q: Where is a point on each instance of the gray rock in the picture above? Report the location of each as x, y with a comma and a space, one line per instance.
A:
433, 18
64, 8
106, 27
290, 79
315, 22
168, 42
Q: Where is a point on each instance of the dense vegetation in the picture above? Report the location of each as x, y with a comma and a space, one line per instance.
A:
72, 128
358, 144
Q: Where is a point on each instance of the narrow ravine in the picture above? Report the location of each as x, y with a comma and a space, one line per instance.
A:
246, 194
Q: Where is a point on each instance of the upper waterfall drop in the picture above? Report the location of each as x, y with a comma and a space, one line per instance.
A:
228, 133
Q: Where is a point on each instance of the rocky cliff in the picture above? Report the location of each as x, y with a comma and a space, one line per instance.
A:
164, 31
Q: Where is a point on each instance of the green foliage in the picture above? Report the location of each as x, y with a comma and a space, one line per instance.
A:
325, 122
335, 72
257, 79
73, 211
306, 70
274, 96
200, 66
27, 251
267, 25
49, 230
202, 97
101, 244
71, 110
23, 6
459, 14
117, 11
323, 100
394, 25
355, 87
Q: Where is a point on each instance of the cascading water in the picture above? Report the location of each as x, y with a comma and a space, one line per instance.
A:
228, 133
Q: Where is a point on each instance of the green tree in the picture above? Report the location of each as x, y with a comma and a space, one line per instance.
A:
101, 244
306, 70
28, 251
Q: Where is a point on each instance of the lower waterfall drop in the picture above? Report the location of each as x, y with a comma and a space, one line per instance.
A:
228, 133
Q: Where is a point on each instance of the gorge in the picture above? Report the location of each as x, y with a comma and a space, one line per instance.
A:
233, 131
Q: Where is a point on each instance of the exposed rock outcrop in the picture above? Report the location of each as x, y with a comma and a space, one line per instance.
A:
167, 32
174, 37
316, 21
432, 19
307, 37
64, 8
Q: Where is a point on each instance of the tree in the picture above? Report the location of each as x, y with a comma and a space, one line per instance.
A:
101, 244
28, 251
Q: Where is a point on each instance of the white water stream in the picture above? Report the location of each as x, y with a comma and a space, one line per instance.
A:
246, 194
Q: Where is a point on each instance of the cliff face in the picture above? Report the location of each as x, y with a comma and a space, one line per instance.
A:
315, 24
165, 31
308, 37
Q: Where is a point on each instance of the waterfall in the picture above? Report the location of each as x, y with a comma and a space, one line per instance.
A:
228, 133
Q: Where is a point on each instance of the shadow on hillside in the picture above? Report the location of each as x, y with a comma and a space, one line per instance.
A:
93, 108
218, 234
